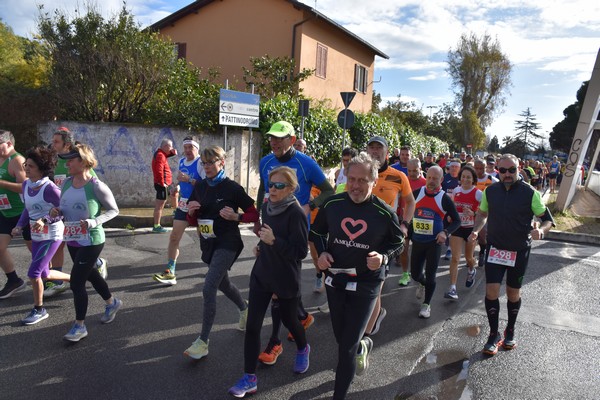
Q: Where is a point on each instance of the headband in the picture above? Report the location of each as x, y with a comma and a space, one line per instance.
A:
453, 163
193, 143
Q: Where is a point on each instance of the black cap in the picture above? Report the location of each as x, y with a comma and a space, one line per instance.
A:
70, 155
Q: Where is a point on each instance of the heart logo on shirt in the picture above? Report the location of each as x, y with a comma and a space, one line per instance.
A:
349, 223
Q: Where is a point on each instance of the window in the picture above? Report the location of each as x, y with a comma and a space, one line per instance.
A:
321, 67
180, 50
360, 78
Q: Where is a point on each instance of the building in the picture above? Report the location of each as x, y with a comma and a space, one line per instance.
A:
226, 33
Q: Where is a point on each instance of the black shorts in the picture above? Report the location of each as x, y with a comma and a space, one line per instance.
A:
8, 223
494, 273
463, 233
161, 192
552, 176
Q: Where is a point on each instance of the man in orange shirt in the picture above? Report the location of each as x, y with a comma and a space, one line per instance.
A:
391, 186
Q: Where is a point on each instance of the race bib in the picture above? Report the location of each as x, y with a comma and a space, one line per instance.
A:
4, 203
182, 204
59, 180
467, 221
502, 257
349, 271
40, 235
423, 226
74, 232
205, 228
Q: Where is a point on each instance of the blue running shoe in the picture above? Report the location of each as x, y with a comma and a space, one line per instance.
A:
110, 312
301, 364
35, 316
246, 385
76, 333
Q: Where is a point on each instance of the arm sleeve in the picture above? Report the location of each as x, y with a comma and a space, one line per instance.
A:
23, 219
107, 200
483, 205
451, 212
326, 191
318, 231
52, 195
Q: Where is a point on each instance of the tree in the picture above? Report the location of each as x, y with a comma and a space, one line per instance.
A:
494, 145
274, 76
402, 114
526, 132
562, 134
104, 70
480, 75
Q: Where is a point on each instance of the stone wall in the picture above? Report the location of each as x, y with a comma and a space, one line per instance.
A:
124, 153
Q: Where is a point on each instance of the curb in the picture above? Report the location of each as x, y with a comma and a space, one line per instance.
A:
135, 221
571, 237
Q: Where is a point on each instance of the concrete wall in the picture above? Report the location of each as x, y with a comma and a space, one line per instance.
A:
594, 185
124, 153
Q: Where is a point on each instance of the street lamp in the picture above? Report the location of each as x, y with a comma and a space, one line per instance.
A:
431, 107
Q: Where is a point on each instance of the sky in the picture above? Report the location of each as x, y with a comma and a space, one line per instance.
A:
552, 45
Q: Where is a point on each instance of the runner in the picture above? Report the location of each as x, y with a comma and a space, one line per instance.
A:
277, 270
449, 183
428, 234
63, 142
81, 200
213, 207
509, 207
484, 179
553, 171
40, 196
417, 181
391, 186
466, 198
355, 233
162, 180
12, 176
340, 175
282, 136
189, 174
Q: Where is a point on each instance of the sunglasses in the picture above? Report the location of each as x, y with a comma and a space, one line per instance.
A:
213, 162
511, 170
277, 185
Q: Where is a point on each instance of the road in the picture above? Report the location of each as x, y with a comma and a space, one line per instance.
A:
139, 355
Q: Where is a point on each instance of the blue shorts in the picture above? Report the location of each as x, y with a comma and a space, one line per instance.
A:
180, 215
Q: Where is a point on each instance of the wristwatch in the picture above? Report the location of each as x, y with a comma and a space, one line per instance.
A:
312, 205
385, 260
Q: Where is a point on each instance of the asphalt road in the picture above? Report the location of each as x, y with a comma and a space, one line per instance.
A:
139, 355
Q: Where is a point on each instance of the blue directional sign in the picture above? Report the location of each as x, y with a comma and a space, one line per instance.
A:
238, 108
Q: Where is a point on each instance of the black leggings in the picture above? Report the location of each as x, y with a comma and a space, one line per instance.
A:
84, 263
429, 254
258, 303
350, 314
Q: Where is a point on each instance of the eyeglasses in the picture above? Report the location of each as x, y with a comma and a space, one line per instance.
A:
511, 170
277, 185
213, 162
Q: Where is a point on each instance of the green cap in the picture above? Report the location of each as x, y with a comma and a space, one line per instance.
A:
281, 129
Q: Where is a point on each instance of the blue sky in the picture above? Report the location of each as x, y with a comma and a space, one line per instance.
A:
552, 44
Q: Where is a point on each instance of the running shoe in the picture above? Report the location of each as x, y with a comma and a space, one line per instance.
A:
492, 345
509, 342
110, 311
318, 285
11, 288
306, 322
404, 279
166, 278
420, 291
362, 358
302, 360
76, 333
246, 385
197, 350
471, 278
380, 317
243, 319
451, 294
425, 311
102, 267
269, 356
448, 255
35, 316
159, 229
52, 289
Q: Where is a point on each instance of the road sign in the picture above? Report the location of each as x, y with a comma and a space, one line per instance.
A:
238, 108
347, 98
345, 119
